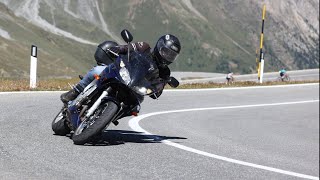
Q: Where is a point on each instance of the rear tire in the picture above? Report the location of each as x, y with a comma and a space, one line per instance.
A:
279, 79
89, 128
59, 124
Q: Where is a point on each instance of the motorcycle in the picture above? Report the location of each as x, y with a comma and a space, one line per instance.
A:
116, 93
284, 78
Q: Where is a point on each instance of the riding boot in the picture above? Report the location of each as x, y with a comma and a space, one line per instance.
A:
69, 96
72, 94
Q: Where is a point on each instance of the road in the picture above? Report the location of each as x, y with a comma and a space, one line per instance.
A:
236, 133
299, 75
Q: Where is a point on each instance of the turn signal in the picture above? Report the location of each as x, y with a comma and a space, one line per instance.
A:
134, 113
96, 76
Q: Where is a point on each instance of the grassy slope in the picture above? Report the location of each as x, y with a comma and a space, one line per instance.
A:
207, 45
147, 24
57, 56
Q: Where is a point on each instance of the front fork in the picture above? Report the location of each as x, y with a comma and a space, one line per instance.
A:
75, 113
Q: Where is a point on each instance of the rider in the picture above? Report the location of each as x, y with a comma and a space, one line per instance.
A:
229, 77
164, 53
102, 58
282, 72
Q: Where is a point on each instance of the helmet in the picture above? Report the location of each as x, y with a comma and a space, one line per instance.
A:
167, 49
102, 56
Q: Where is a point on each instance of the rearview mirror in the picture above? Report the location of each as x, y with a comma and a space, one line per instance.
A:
126, 36
173, 82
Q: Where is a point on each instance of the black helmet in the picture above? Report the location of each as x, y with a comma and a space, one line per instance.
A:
103, 56
167, 49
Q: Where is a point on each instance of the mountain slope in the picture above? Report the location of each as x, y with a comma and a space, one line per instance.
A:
216, 36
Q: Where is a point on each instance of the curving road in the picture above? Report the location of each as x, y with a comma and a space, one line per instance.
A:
236, 133
298, 75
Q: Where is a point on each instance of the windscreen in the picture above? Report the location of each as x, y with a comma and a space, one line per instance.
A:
141, 68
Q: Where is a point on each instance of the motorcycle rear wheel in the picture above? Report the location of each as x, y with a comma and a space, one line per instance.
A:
59, 125
91, 127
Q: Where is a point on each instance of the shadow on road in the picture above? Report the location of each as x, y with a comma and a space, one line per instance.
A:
117, 137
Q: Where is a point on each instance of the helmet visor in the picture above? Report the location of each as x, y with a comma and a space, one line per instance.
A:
165, 52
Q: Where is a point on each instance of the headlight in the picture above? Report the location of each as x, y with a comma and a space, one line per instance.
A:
124, 73
143, 90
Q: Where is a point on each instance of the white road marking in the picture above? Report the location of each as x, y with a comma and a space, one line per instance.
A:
31, 92
134, 124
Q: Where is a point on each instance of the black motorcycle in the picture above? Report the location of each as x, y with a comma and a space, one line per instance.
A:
116, 93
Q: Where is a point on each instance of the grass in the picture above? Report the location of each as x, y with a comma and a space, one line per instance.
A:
63, 84
42, 85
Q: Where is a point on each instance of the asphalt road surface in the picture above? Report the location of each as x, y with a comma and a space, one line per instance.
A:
299, 75
239, 133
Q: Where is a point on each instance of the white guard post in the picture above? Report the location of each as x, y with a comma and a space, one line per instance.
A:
33, 67
261, 68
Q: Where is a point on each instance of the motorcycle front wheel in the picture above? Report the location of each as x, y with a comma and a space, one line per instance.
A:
95, 124
287, 78
59, 124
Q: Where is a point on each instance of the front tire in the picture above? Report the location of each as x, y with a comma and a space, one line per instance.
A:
93, 126
59, 124
287, 78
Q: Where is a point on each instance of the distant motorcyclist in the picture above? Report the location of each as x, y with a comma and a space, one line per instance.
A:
229, 77
282, 72
164, 53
